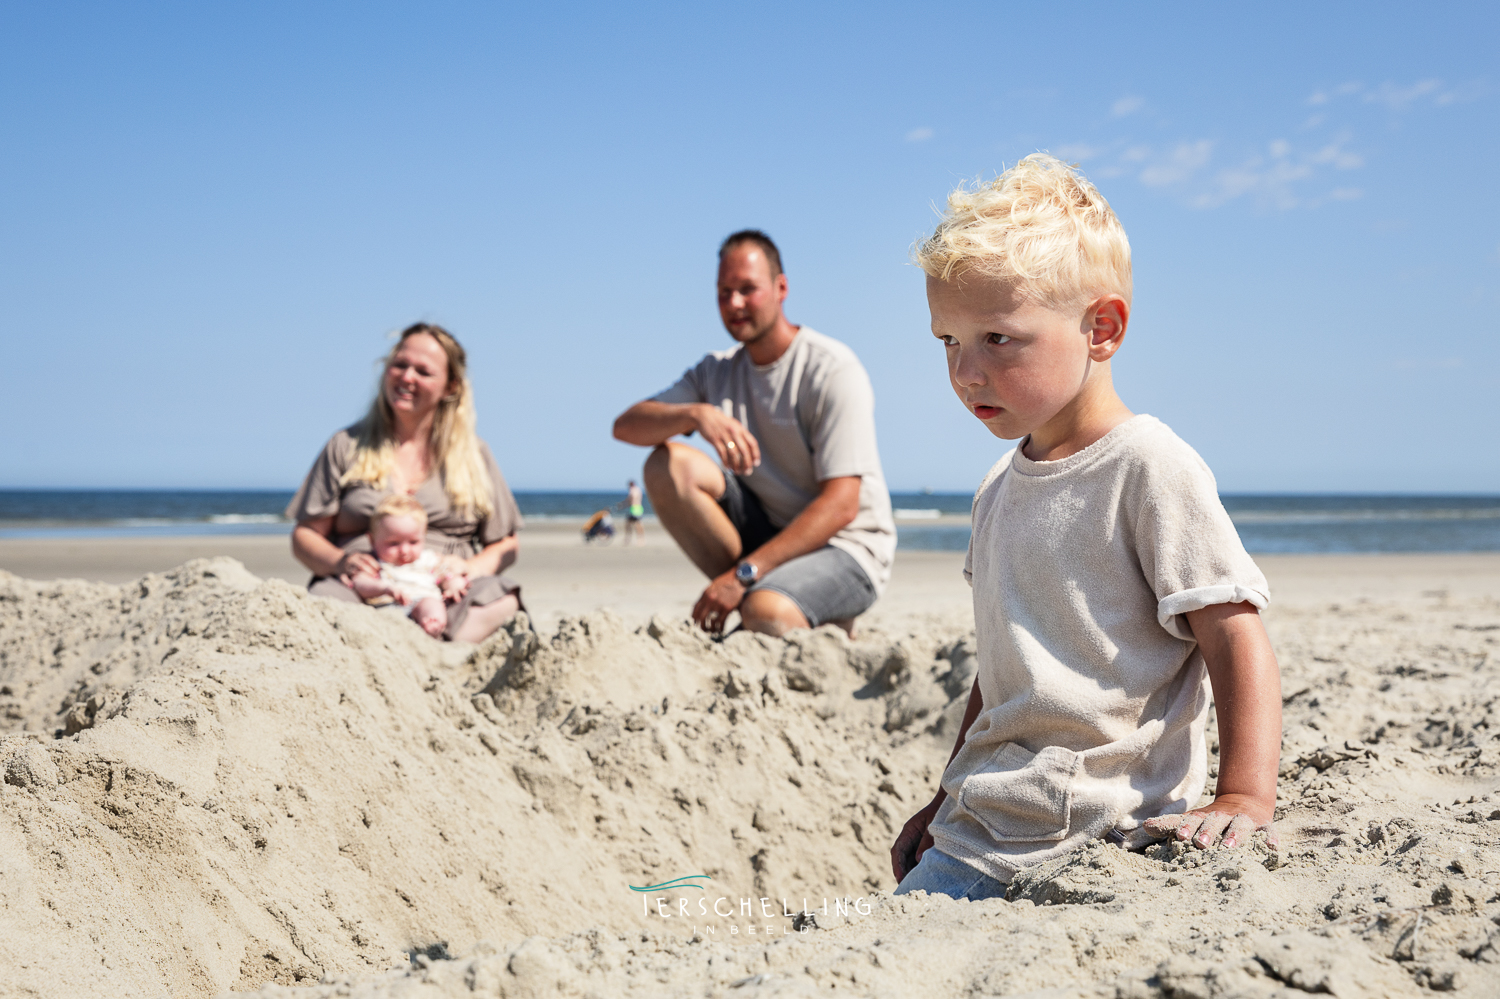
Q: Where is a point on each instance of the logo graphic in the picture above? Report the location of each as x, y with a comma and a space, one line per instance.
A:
686, 881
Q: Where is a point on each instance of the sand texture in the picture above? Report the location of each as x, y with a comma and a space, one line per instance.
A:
213, 782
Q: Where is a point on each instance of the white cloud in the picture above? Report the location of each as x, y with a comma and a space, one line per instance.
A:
1346, 194
1398, 99
1127, 105
1178, 165
919, 134
1280, 147
1401, 98
1334, 154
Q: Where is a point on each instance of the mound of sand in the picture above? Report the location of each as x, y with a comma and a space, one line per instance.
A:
213, 782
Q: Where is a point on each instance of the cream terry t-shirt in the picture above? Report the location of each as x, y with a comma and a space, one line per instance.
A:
1095, 694
813, 412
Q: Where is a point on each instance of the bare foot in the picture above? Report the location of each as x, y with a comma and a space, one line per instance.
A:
431, 615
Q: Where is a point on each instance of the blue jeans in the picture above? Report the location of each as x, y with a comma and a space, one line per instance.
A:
939, 874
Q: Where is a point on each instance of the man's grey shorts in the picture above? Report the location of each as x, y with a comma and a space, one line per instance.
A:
826, 585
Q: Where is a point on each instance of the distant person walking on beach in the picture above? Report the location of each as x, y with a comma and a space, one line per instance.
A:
795, 529
635, 509
418, 438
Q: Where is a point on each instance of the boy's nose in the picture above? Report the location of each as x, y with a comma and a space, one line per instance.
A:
966, 370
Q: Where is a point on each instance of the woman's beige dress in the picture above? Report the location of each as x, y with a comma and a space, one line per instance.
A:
448, 531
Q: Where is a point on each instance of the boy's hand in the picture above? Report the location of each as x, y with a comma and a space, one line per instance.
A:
914, 839
1235, 816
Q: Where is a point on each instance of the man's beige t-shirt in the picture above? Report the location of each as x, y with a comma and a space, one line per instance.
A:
1095, 693
813, 412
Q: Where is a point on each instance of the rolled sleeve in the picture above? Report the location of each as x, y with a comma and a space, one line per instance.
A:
321, 490
688, 388
505, 518
843, 434
1190, 551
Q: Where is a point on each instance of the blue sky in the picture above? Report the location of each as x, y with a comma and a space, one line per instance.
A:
211, 216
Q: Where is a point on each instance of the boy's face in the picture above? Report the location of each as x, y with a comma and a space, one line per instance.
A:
1018, 364
397, 540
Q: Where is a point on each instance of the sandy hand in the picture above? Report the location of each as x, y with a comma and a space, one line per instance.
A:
1214, 825
914, 840
723, 596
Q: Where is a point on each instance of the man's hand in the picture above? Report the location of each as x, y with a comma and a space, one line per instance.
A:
914, 840
1235, 816
650, 423
738, 449
723, 595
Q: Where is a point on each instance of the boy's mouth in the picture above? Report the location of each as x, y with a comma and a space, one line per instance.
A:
986, 412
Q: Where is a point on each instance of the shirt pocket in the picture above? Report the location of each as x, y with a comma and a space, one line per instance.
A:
1021, 796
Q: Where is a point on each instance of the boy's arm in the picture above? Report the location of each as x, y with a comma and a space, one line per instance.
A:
1247, 699
915, 839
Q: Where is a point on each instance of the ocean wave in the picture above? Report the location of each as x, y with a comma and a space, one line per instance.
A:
1358, 516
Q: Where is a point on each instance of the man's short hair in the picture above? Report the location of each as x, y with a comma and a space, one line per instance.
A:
1041, 225
760, 239
400, 505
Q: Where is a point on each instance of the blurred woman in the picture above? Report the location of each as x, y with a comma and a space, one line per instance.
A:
418, 438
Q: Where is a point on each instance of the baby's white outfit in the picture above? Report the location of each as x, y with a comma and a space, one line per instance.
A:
418, 580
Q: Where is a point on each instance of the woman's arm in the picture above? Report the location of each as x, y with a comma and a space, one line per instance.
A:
311, 547
491, 560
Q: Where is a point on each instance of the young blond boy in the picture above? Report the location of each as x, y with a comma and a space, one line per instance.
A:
1109, 584
411, 575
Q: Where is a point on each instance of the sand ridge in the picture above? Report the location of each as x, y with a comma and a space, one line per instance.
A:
255, 788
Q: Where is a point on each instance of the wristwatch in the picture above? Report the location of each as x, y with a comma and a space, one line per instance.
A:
746, 574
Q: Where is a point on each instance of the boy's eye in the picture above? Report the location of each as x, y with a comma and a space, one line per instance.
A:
948, 341
999, 338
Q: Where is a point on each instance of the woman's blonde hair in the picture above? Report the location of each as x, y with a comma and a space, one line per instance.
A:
455, 445
1039, 224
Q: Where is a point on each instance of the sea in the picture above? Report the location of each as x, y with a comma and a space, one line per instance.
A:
1268, 523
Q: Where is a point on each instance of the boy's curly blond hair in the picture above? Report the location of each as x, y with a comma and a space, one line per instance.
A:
1041, 225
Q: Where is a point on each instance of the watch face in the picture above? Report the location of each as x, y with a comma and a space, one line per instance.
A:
745, 573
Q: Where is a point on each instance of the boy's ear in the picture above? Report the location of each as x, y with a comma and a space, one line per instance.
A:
1105, 321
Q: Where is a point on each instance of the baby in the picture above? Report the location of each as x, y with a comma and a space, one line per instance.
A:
410, 575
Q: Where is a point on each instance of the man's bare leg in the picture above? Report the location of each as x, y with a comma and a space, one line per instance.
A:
685, 485
770, 613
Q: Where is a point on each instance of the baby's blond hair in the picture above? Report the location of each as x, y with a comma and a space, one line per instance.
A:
1041, 225
399, 505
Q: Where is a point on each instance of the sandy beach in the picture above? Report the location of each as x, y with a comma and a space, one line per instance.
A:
257, 790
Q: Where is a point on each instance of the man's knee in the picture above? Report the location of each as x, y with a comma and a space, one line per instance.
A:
658, 470
770, 613
680, 468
